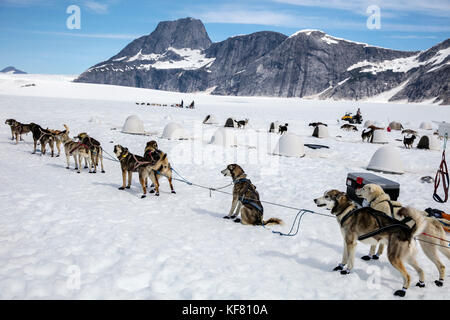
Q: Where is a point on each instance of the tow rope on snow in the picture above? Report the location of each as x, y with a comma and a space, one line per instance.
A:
442, 174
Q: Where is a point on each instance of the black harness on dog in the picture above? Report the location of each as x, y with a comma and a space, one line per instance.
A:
246, 201
377, 215
391, 206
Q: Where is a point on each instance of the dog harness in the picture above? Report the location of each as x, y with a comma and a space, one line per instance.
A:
391, 206
255, 203
394, 223
442, 174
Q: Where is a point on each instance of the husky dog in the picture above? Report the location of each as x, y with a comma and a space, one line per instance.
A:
130, 163
241, 123
17, 129
246, 199
77, 150
283, 129
430, 245
161, 163
349, 127
367, 135
370, 226
408, 141
96, 150
44, 137
57, 134
409, 131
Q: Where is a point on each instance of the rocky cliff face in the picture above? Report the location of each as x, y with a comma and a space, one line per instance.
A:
179, 56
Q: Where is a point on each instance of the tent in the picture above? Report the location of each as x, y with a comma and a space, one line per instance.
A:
379, 136
368, 123
175, 131
224, 137
429, 142
395, 125
133, 125
290, 145
426, 126
321, 131
274, 127
386, 159
230, 123
209, 119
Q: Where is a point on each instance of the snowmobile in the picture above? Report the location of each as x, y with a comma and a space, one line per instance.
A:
352, 119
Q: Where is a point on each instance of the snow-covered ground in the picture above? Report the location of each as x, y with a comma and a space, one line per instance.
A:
58, 227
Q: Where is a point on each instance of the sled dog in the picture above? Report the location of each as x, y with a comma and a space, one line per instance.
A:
370, 226
246, 199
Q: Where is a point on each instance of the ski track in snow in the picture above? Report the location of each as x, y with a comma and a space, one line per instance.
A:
178, 246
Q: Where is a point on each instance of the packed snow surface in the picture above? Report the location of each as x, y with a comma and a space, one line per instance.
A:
65, 235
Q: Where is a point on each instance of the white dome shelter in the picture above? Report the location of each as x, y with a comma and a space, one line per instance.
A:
321, 131
426, 126
394, 125
224, 137
379, 136
368, 123
386, 159
290, 145
429, 142
175, 131
210, 119
133, 125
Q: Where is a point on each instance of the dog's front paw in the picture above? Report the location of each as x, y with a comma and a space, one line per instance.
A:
366, 258
227, 217
439, 282
420, 284
143, 196
173, 191
375, 257
339, 267
152, 191
128, 187
122, 188
400, 293
157, 194
345, 272
103, 171
237, 220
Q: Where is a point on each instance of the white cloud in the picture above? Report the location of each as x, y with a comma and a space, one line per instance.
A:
89, 35
439, 8
97, 7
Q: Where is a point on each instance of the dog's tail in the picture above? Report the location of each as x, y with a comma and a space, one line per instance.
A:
272, 221
418, 217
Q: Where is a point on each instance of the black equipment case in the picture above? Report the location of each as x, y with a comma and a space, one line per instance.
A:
356, 180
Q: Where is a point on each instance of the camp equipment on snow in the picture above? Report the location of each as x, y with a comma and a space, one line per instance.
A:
356, 180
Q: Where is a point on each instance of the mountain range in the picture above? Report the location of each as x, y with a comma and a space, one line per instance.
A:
12, 70
179, 56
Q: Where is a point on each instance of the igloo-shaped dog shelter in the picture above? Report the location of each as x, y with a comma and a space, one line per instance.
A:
426, 125
224, 137
321, 131
368, 123
379, 136
133, 125
290, 145
175, 131
386, 159
394, 125
429, 142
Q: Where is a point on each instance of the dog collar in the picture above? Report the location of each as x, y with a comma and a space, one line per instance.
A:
123, 156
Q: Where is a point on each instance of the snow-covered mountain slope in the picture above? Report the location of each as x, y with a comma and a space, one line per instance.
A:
12, 70
58, 226
309, 63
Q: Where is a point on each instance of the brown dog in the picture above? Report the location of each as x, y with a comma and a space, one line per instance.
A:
161, 163
246, 199
370, 226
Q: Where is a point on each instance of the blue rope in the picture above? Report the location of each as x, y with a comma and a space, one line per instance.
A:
184, 180
290, 234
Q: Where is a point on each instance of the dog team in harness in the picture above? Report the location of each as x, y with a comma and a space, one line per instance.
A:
380, 221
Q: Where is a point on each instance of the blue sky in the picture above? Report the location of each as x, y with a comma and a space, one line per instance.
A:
34, 36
